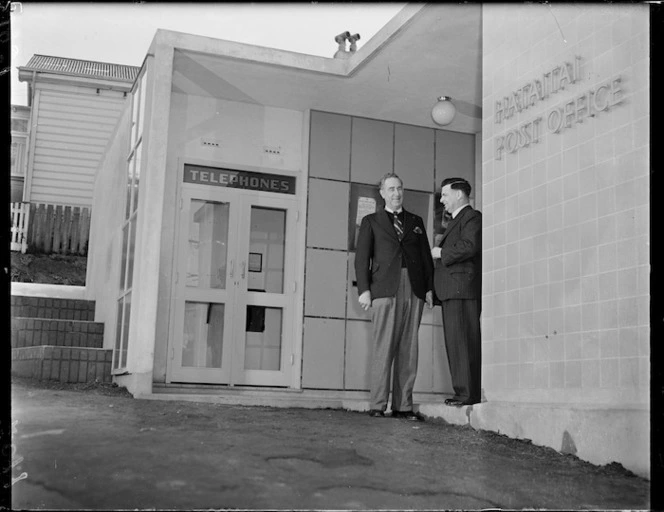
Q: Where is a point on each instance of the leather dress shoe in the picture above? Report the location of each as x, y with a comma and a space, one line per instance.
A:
460, 403
408, 415
375, 413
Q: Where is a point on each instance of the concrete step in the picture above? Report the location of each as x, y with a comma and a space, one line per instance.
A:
52, 308
30, 332
430, 404
74, 365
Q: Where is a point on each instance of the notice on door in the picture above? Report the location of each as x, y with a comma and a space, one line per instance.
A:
231, 178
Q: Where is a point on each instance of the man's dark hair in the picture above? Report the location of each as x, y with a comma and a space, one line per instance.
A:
457, 184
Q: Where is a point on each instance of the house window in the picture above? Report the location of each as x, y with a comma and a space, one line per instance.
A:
18, 155
129, 225
17, 166
19, 125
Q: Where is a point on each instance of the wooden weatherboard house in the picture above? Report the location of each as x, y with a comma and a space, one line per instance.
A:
75, 105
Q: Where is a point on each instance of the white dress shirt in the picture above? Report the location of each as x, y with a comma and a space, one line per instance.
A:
456, 212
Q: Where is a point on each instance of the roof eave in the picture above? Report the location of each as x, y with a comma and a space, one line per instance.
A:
26, 75
271, 56
221, 48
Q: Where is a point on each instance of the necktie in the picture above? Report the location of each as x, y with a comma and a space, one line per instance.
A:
398, 226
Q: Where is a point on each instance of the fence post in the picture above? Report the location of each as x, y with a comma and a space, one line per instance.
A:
76, 214
57, 229
31, 226
25, 208
85, 231
50, 224
41, 214
66, 230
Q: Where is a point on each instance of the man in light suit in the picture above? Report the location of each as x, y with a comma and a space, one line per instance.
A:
458, 285
394, 272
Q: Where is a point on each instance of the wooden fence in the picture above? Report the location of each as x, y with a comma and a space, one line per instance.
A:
58, 229
20, 213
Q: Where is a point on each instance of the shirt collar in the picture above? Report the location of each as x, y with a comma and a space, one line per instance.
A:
456, 212
392, 211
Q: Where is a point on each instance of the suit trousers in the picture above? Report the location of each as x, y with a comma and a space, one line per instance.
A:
396, 322
461, 324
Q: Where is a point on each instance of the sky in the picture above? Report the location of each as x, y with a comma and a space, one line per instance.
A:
121, 32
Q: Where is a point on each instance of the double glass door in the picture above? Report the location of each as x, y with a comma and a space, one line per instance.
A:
234, 289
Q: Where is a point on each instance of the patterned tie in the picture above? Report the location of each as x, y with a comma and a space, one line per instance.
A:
398, 226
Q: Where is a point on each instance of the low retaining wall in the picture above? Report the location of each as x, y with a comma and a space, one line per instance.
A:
29, 332
55, 291
63, 364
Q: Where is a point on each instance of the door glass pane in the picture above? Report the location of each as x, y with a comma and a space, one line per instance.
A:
118, 336
130, 178
266, 250
208, 244
137, 174
203, 335
134, 117
125, 330
130, 252
262, 349
123, 263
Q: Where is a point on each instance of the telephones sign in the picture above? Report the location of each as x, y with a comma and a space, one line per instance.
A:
233, 178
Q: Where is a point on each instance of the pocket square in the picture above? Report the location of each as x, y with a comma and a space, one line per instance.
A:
417, 230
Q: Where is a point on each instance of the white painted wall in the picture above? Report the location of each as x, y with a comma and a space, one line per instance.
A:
105, 246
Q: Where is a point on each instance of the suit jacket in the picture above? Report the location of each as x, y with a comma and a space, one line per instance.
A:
379, 252
458, 272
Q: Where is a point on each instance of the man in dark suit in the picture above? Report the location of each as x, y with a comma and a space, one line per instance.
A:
394, 272
458, 285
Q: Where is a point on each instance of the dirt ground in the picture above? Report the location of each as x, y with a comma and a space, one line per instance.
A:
48, 268
92, 446
92, 388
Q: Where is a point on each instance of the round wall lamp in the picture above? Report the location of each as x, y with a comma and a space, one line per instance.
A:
443, 111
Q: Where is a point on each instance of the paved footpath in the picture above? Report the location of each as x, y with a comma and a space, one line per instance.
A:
105, 450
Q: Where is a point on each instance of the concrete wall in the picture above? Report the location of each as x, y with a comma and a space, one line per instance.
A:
243, 131
565, 319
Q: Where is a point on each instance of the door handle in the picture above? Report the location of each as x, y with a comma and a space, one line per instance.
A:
244, 268
232, 268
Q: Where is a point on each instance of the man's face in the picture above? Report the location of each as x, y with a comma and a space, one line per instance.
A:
392, 193
449, 198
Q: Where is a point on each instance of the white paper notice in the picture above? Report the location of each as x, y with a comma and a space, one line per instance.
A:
365, 206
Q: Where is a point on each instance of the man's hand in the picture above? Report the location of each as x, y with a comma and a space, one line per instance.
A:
435, 253
365, 300
429, 297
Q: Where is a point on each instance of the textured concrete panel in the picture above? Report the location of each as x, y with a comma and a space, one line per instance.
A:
358, 355
323, 353
327, 223
329, 152
325, 288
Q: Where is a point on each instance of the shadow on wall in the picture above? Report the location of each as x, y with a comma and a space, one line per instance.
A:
568, 446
